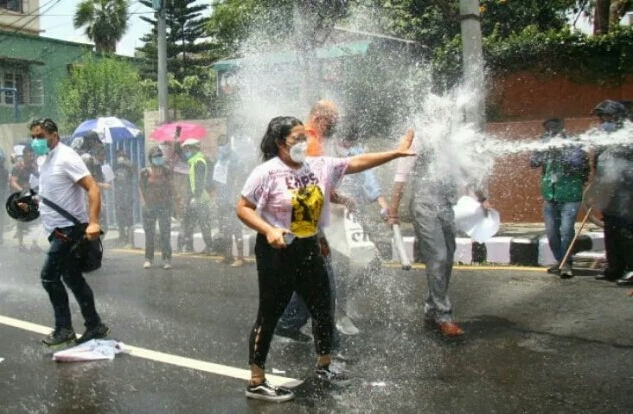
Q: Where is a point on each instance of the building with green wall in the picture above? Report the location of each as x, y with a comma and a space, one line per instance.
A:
34, 66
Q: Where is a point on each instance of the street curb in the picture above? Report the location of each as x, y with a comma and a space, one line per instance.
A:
522, 251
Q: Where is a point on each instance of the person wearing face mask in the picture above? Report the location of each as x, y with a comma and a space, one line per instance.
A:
286, 200
227, 175
565, 173
197, 199
19, 180
65, 181
92, 152
320, 127
156, 196
612, 194
124, 172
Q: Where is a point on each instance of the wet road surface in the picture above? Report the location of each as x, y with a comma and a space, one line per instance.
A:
533, 344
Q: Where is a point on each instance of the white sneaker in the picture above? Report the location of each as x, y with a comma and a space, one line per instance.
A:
345, 326
147, 264
167, 265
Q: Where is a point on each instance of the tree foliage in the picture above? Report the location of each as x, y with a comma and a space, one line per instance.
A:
189, 55
104, 22
100, 86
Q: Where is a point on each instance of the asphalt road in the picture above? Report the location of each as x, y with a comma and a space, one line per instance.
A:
533, 344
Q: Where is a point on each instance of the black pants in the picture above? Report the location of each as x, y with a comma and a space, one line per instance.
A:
300, 267
60, 266
197, 214
618, 240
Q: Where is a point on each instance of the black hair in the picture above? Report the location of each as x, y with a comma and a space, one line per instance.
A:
278, 130
155, 151
46, 123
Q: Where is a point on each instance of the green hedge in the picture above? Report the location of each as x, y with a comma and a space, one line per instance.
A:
586, 59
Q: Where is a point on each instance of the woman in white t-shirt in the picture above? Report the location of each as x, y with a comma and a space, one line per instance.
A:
286, 200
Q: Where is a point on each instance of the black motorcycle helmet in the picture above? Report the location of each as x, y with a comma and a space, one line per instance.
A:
611, 108
19, 214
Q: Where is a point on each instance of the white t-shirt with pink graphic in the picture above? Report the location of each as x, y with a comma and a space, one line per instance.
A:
298, 200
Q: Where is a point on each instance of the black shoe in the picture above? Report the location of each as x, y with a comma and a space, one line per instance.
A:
609, 275
626, 280
97, 332
267, 392
566, 272
60, 336
331, 376
554, 270
295, 335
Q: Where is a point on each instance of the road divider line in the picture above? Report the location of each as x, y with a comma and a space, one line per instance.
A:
148, 354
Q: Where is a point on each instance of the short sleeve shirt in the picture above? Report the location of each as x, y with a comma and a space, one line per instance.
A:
59, 174
295, 199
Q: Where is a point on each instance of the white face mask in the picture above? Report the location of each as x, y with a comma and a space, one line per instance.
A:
298, 152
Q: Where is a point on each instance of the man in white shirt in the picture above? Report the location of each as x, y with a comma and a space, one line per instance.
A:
63, 179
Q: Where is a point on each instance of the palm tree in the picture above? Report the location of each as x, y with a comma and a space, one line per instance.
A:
104, 22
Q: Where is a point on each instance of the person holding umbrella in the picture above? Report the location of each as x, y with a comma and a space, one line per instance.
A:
197, 201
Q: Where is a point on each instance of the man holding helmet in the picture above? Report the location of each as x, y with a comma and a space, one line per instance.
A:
63, 180
612, 191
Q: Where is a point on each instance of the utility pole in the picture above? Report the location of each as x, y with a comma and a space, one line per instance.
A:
161, 38
473, 60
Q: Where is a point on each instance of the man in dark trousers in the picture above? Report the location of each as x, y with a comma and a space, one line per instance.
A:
612, 194
65, 180
197, 203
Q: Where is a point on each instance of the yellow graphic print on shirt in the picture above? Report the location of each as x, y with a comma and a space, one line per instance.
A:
307, 203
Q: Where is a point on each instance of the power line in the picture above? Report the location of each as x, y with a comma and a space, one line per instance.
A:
67, 15
55, 2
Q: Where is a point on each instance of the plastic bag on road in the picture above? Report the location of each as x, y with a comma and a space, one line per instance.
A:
93, 350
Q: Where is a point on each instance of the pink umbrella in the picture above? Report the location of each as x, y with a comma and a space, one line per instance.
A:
167, 132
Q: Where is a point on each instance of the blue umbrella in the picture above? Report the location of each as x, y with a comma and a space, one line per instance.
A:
110, 129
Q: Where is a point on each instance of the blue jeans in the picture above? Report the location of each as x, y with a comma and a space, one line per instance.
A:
60, 266
560, 218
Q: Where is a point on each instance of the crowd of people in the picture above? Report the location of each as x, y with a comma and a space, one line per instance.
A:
287, 199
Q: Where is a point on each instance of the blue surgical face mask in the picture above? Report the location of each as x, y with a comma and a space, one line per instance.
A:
608, 126
188, 154
158, 161
40, 146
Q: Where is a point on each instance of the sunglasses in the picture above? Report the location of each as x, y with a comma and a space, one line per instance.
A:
46, 123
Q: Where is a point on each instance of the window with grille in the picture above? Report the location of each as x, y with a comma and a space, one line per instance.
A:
30, 90
13, 5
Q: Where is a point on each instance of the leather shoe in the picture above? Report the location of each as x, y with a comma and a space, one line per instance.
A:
626, 280
448, 329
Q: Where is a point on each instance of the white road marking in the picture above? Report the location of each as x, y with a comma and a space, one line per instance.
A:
176, 360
